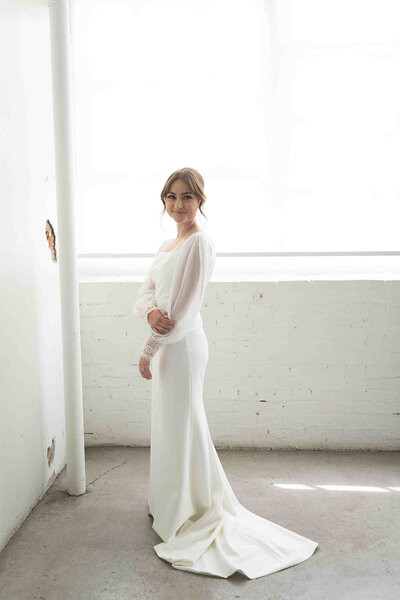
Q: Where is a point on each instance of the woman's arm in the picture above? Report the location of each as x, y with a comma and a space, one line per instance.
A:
145, 302
192, 272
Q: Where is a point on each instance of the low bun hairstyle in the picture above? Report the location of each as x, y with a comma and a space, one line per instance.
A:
193, 179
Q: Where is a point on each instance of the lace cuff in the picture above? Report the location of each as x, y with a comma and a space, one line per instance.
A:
150, 348
149, 306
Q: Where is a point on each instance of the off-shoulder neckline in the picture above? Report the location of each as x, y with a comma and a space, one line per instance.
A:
177, 249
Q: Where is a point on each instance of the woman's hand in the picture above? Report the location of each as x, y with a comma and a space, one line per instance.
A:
159, 321
144, 368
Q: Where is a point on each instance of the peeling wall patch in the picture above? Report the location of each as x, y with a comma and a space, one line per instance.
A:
51, 240
51, 450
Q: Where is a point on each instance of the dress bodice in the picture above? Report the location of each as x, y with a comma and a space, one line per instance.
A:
161, 273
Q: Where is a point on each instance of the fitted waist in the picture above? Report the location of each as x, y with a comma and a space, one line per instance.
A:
197, 323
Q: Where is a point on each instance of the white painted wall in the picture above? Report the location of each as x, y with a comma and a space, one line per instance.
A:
31, 387
292, 364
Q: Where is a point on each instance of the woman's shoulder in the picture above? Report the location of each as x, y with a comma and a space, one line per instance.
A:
203, 238
204, 235
197, 238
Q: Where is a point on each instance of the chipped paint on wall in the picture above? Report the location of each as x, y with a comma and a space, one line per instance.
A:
51, 451
51, 240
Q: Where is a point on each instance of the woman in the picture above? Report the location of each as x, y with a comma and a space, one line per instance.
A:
203, 526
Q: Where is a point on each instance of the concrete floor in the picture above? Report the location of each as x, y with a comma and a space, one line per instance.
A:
100, 545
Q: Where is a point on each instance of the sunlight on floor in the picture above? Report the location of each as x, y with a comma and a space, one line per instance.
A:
340, 488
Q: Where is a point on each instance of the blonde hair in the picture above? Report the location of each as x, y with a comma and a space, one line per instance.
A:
192, 178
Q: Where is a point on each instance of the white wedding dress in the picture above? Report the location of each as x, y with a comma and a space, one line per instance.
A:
203, 526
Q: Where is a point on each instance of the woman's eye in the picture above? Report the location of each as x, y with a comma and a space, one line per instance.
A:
172, 197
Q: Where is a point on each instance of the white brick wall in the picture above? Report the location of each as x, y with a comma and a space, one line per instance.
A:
306, 365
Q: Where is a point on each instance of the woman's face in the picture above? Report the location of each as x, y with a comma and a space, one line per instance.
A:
181, 203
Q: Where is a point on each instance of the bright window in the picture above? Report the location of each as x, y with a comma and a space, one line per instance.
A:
290, 110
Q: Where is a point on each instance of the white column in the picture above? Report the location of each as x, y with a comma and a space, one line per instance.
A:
66, 236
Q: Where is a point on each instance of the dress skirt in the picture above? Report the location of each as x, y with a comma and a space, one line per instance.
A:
203, 526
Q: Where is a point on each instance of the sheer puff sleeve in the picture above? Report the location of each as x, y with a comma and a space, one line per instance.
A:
145, 302
193, 269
